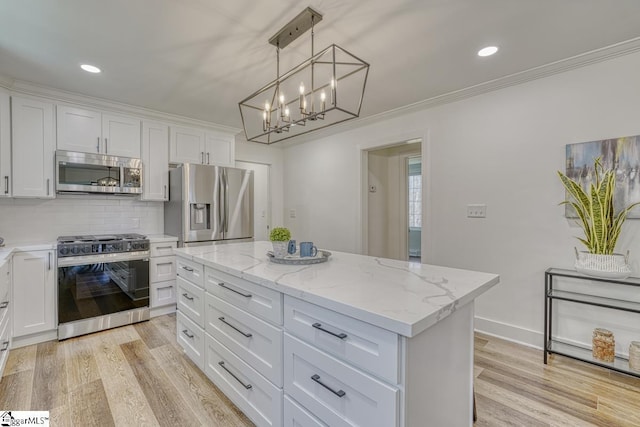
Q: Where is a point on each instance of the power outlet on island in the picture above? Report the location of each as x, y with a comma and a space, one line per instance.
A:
477, 211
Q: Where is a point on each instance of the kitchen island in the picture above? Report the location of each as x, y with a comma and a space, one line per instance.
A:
357, 340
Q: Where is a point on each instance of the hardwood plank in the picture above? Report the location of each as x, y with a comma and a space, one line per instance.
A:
128, 403
495, 414
60, 417
628, 414
15, 391
208, 403
167, 327
81, 364
90, 406
123, 334
150, 334
49, 378
20, 359
168, 406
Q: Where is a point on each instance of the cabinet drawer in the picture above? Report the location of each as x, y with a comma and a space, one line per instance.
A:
191, 339
297, 416
162, 249
162, 268
191, 301
263, 302
162, 293
335, 392
366, 346
192, 271
253, 340
5, 282
5, 343
260, 400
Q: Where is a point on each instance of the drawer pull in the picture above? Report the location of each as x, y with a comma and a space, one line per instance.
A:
341, 335
163, 247
186, 295
186, 332
224, 285
339, 393
246, 386
5, 346
189, 269
4, 304
231, 326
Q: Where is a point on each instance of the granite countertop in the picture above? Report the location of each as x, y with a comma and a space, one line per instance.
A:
403, 297
161, 238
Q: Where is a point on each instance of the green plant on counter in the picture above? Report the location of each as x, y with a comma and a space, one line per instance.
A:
594, 208
280, 234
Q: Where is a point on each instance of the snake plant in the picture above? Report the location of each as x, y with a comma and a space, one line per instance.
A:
595, 209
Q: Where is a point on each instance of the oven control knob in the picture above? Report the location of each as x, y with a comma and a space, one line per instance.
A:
85, 249
64, 251
75, 250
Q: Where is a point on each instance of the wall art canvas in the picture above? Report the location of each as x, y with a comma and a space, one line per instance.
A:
619, 154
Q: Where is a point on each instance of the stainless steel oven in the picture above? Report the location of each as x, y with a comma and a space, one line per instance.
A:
103, 282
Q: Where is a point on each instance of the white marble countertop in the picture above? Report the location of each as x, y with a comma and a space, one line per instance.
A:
161, 238
403, 297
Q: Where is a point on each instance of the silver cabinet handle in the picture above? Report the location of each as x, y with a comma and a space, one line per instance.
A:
6, 184
208, 158
106, 151
48, 182
4, 304
246, 386
98, 145
233, 327
186, 295
341, 335
186, 332
165, 192
339, 393
166, 247
5, 346
224, 285
189, 269
49, 257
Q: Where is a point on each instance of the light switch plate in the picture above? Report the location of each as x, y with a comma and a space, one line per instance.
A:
477, 211
292, 213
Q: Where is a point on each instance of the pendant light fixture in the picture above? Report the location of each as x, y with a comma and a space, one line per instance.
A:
324, 90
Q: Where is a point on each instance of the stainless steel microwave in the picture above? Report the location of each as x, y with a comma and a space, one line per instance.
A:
97, 173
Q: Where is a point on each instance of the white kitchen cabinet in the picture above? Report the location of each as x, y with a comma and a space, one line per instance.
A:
162, 278
34, 292
190, 145
33, 147
5, 312
5, 145
91, 131
155, 161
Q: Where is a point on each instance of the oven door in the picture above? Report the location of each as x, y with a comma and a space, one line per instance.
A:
100, 285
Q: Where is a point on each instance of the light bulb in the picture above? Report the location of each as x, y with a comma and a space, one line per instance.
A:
323, 96
266, 105
301, 88
286, 112
264, 115
281, 98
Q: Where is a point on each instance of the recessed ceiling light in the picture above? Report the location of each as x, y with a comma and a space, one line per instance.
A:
487, 51
90, 68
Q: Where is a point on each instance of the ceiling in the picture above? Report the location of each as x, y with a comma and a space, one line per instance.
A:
199, 58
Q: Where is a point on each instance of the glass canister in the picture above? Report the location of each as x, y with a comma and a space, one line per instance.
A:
604, 345
634, 356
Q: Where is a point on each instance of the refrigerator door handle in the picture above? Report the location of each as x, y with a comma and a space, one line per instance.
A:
226, 201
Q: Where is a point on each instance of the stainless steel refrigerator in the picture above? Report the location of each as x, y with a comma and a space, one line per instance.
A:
209, 204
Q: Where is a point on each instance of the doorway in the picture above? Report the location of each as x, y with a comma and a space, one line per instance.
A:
261, 198
394, 201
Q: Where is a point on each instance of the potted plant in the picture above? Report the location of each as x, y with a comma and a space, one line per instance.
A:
600, 224
280, 237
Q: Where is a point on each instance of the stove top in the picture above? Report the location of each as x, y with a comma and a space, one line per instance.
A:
101, 243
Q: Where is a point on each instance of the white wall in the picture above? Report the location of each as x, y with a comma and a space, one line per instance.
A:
503, 149
40, 221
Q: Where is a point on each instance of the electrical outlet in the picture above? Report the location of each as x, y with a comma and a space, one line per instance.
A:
292, 213
477, 211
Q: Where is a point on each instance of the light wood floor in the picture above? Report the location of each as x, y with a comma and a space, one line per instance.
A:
137, 376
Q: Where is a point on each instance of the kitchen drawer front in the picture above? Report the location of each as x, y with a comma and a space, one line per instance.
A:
191, 271
162, 293
335, 392
5, 342
162, 249
191, 301
296, 416
5, 283
364, 345
162, 268
263, 302
253, 340
260, 400
4, 313
191, 339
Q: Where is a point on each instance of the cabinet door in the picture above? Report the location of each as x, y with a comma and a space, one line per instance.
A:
5, 145
79, 129
33, 292
220, 149
121, 135
186, 145
155, 161
33, 147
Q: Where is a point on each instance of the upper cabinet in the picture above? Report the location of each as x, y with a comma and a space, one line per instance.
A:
155, 161
33, 147
189, 145
5, 145
90, 131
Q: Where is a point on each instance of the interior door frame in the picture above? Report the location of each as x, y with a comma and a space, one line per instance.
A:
269, 193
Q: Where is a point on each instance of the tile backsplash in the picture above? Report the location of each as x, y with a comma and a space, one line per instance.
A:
40, 221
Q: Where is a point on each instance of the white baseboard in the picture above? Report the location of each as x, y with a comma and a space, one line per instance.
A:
17, 342
159, 311
516, 334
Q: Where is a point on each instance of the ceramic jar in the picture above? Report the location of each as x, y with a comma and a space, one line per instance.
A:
604, 345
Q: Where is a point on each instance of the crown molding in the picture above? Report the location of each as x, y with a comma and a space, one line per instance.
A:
598, 55
58, 95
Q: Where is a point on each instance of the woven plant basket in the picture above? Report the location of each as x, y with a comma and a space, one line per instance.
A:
615, 266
